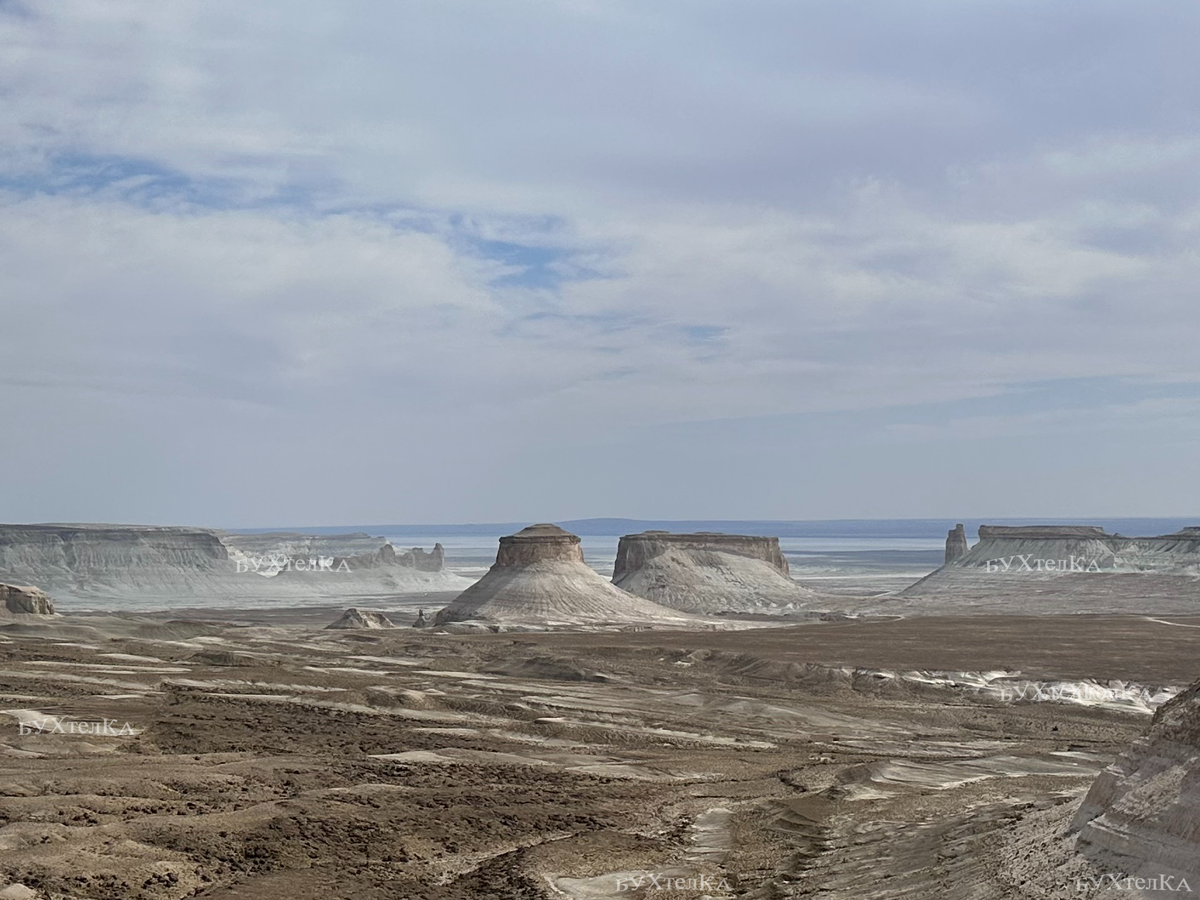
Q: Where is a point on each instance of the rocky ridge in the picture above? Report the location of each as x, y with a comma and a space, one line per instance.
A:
1142, 814
1068, 568
25, 601
133, 566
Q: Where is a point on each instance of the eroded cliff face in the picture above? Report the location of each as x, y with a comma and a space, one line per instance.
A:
1142, 814
83, 550
25, 601
540, 579
69, 560
358, 550
1096, 549
141, 567
956, 543
1069, 567
539, 543
636, 550
707, 572
433, 561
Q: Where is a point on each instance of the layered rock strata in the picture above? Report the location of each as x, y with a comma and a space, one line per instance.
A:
956, 543
1072, 566
708, 572
24, 601
1142, 814
540, 578
358, 549
141, 566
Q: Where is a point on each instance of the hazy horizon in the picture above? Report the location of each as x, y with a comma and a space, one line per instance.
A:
881, 527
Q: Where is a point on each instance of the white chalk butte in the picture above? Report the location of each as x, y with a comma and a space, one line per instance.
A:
1142, 814
135, 565
540, 578
1007, 557
708, 572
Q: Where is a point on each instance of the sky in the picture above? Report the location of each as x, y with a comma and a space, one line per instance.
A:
495, 260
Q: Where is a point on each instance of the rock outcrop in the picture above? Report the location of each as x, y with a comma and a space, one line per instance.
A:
1142, 814
362, 618
25, 601
132, 566
1068, 568
956, 543
357, 551
1041, 548
540, 578
434, 561
708, 572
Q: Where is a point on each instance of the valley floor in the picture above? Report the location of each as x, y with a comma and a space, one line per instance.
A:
265, 758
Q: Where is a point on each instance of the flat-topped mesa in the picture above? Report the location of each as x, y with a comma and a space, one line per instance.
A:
539, 543
1007, 558
540, 578
707, 572
25, 601
137, 565
86, 549
956, 543
1142, 814
1043, 532
73, 560
634, 550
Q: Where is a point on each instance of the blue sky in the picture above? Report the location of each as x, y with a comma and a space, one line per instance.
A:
537, 259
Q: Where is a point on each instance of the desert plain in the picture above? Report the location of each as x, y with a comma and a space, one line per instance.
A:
226, 753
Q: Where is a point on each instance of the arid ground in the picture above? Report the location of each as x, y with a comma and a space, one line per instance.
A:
266, 758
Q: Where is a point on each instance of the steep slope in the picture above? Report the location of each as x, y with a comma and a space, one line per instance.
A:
1069, 568
540, 578
141, 567
74, 560
1142, 814
24, 601
359, 549
708, 572
956, 543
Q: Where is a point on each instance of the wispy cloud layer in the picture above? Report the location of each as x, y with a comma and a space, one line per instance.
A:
501, 243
